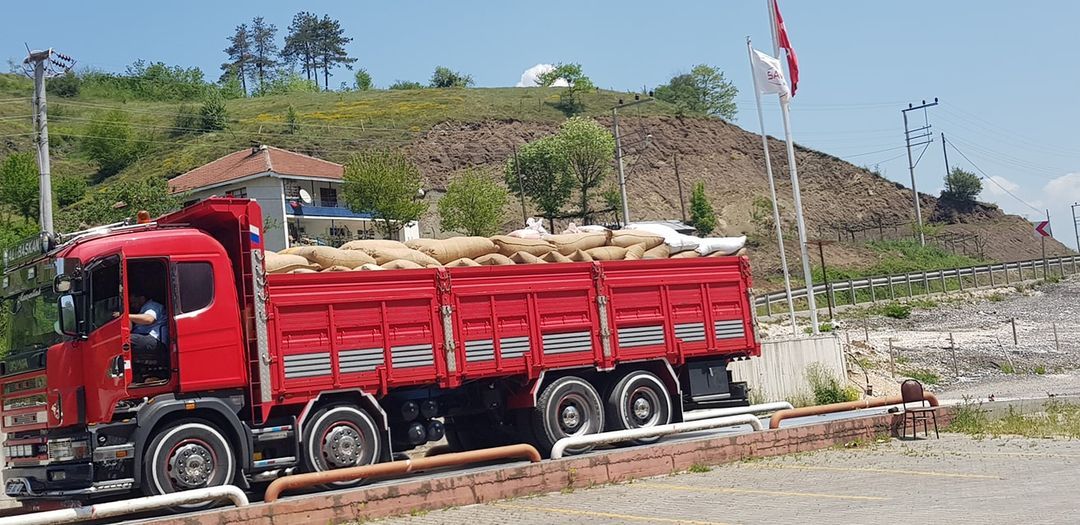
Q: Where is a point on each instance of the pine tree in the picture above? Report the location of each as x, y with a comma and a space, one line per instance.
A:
300, 43
264, 49
702, 215
240, 55
330, 44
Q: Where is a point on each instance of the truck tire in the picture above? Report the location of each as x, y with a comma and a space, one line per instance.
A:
340, 436
639, 400
188, 454
569, 406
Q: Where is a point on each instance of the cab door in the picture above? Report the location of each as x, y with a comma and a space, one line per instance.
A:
209, 340
107, 348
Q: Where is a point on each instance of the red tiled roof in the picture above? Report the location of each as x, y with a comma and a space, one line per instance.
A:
248, 162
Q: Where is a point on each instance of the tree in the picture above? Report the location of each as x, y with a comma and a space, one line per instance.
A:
363, 80
286, 82
577, 83
702, 216
702, 91
66, 85
444, 77
473, 204
110, 143
19, 184
69, 189
300, 43
213, 115
240, 55
540, 173
264, 49
330, 41
406, 84
385, 184
961, 186
291, 120
588, 150
116, 202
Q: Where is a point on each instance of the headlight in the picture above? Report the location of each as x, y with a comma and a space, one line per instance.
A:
68, 450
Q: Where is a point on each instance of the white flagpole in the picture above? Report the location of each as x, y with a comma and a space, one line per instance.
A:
772, 28
810, 301
772, 191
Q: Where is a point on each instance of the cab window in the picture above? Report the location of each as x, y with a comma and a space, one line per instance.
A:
105, 291
195, 282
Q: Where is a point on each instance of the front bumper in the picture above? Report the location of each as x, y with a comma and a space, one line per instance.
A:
60, 481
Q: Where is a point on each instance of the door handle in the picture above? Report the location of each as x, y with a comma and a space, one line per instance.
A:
126, 347
116, 367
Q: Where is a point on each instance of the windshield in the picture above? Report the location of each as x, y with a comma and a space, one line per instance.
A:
30, 320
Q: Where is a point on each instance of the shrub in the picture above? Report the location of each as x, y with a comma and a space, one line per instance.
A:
406, 84
213, 113
188, 120
897, 311
363, 80
1040, 369
69, 189
444, 77
66, 85
110, 143
473, 204
924, 376
292, 123
827, 388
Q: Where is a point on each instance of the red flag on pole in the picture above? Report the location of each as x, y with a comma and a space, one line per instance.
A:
783, 43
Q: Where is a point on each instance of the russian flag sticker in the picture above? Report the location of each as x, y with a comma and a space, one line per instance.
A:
254, 231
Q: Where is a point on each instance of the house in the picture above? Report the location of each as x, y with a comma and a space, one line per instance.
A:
299, 196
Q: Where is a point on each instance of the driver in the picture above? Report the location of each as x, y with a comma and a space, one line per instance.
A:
149, 327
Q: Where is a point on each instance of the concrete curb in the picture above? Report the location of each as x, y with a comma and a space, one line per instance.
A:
498, 483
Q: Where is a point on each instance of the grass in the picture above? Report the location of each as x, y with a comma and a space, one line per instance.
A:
926, 377
897, 311
1056, 419
995, 297
1007, 368
698, 468
827, 388
1040, 370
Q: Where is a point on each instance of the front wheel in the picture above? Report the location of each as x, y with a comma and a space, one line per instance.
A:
186, 455
340, 436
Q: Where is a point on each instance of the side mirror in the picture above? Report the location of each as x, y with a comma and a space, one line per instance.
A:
68, 322
62, 284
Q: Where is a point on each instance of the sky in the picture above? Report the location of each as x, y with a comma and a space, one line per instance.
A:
999, 69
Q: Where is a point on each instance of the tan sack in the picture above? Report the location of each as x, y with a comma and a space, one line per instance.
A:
635, 252
660, 252
277, 263
607, 253
568, 243
510, 245
580, 256
327, 256
555, 257
446, 250
688, 254
372, 244
527, 258
337, 268
385, 255
493, 259
462, 262
742, 252
400, 264
303, 270
628, 238
368, 267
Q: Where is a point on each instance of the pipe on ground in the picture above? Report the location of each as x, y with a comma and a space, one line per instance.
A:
818, 410
617, 436
113, 509
697, 415
382, 470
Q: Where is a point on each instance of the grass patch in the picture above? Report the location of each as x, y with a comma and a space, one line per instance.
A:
1007, 368
923, 376
995, 297
826, 388
902, 360
698, 468
1057, 419
1040, 370
897, 311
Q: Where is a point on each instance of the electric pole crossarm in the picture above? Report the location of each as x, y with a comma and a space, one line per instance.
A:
45, 64
911, 163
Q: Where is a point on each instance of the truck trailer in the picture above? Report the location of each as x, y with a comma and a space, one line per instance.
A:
266, 375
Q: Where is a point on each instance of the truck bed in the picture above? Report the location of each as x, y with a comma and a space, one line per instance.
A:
377, 330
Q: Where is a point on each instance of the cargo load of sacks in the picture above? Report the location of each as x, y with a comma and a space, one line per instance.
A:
531, 245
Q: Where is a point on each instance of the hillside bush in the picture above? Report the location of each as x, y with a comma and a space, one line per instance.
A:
111, 143
897, 311
213, 115
827, 388
473, 204
153, 81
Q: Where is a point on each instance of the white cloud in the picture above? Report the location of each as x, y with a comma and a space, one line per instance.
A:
1065, 188
530, 76
995, 190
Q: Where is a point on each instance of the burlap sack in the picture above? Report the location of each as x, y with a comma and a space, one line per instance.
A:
303, 270
385, 255
462, 262
446, 250
510, 245
555, 257
327, 256
400, 264
373, 244
568, 243
607, 253
337, 268
688, 254
368, 267
580, 256
740, 253
527, 258
628, 238
635, 252
660, 252
278, 263
493, 259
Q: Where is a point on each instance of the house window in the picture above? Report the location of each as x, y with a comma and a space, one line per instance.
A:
339, 231
292, 190
328, 197
237, 193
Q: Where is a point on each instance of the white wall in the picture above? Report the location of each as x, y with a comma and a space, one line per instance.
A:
267, 192
780, 371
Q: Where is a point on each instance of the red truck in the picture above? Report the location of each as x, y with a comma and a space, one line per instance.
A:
269, 374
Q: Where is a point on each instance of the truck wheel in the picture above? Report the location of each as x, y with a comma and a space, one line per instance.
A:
340, 437
569, 406
189, 454
639, 400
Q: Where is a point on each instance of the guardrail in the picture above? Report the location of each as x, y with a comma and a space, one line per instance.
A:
113, 509
874, 289
617, 436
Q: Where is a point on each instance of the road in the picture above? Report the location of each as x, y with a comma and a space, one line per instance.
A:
952, 480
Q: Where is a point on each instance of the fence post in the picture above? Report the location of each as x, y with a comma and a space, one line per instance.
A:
892, 290
1006, 267
960, 279
991, 267
830, 289
1016, 340
941, 273
768, 305
926, 282
873, 297
1020, 270
1057, 346
1074, 263
851, 289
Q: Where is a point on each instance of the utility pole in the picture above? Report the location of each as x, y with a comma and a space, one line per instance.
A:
521, 187
619, 153
1076, 224
42, 64
678, 181
945, 152
926, 137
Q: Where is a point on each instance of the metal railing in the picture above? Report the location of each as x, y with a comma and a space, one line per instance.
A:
114, 509
889, 287
618, 436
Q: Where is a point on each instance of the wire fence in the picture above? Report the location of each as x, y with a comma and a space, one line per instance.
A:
853, 292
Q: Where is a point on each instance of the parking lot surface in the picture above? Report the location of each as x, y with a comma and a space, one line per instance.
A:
956, 479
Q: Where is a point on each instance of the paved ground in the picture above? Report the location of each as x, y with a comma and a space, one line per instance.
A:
952, 480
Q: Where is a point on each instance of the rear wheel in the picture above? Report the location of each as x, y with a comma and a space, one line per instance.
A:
569, 406
189, 454
639, 400
340, 436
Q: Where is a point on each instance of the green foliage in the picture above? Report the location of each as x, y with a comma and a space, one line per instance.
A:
116, 202
292, 120
761, 215
588, 150
316, 43
213, 115
240, 65
263, 49
544, 180
995, 297
386, 184
19, 184
363, 80
961, 186
110, 143
926, 377
406, 84
154, 81
1007, 368
444, 77
1040, 370
702, 215
699, 468
69, 189
906, 256
187, 121
570, 100
897, 311
66, 85
286, 83
827, 388
1055, 419
473, 204
703, 91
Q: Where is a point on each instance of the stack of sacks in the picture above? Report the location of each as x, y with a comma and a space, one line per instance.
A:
448, 250
678, 243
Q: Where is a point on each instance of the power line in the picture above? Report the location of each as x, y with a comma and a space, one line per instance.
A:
991, 179
873, 152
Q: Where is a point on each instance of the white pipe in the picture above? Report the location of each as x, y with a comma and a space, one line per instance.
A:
616, 436
129, 506
697, 415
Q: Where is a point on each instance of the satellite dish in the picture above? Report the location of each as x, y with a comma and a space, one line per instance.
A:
305, 196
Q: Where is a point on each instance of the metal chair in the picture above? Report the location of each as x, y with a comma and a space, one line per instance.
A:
911, 391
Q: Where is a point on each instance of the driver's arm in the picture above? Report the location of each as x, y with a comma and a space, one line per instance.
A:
143, 319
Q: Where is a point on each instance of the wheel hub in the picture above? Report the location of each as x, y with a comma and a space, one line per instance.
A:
642, 408
571, 417
341, 447
191, 466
